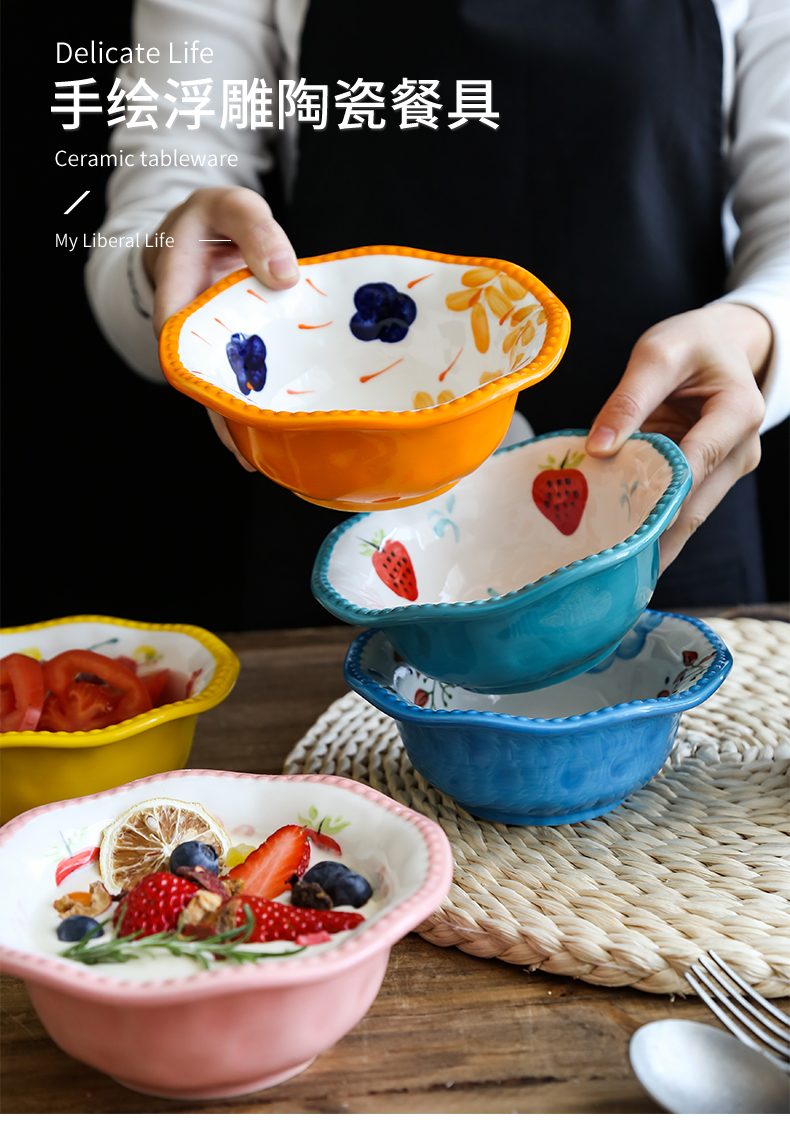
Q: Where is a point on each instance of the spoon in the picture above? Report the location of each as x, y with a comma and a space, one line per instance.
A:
691, 1068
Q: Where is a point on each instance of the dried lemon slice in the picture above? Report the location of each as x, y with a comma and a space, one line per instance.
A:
143, 838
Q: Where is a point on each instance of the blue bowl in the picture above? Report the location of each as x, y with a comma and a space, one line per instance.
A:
504, 584
553, 756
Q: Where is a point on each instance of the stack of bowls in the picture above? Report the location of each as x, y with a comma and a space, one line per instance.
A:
507, 632
382, 383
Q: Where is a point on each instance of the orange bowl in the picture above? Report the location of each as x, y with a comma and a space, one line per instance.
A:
382, 378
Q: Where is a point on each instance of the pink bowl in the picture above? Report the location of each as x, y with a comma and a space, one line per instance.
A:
175, 1030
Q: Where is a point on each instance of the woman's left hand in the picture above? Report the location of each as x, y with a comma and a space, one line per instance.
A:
695, 378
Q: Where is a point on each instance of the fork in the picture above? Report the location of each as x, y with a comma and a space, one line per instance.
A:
742, 1012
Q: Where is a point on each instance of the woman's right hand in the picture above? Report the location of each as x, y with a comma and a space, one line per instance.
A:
216, 231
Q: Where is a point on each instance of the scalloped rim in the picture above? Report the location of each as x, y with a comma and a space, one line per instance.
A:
222, 682
390, 928
385, 699
555, 341
656, 522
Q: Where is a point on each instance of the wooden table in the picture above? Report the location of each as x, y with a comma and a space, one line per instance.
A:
448, 1032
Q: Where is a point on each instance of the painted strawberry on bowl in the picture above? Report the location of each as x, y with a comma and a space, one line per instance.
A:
560, 492
392, 564
530, 571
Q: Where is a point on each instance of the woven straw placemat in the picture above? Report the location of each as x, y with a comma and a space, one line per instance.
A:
699, 858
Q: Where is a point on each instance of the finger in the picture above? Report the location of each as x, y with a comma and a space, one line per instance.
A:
267, 251
698, 506
221, 428
729, 425
654, 370
183, 270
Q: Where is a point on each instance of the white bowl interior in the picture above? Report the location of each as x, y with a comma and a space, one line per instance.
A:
660, 657
315, 363
487, 536
151, 649
387, 849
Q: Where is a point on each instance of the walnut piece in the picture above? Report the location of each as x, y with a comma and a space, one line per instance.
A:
200, 906
100, 900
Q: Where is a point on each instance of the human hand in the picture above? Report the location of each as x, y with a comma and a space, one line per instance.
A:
694, 378
181, 272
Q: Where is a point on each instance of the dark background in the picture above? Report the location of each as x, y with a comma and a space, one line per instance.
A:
117, 498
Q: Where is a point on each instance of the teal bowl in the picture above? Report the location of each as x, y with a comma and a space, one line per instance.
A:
528, 572
557, 755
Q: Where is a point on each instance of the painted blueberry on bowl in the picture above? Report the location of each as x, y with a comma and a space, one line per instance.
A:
247, 356
383, 313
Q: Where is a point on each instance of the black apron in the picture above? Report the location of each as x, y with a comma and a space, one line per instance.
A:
604, 179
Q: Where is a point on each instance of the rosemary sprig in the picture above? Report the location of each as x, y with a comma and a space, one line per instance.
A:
133, 946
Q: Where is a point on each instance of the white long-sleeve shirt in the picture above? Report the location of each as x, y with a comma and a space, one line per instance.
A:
260, 39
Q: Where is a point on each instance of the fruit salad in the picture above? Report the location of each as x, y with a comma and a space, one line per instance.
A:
171, 886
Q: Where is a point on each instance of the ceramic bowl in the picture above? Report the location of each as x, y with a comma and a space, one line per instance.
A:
165, 1026
39, 767
384, 376
557, 755
500, 586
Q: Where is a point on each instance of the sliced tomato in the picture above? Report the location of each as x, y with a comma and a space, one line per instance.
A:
62, 677
127, 662
86, 707
156, 683
7, 699
23, 677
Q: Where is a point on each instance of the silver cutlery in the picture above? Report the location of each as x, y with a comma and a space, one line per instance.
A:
748, 1015
692, 1068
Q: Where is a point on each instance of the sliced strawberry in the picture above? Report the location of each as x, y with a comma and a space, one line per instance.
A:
276, 922
323, 841
266, 871
154, 903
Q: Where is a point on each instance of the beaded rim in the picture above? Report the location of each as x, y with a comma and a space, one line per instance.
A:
654, 524
390, 702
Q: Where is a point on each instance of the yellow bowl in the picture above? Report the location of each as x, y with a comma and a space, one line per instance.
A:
40, 767
348, 410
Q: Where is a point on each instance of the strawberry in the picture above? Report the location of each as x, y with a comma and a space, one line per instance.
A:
276, 922
156, 902
560, 492
393, 565
266, 871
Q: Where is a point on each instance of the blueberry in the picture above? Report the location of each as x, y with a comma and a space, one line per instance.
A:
193, 853
247, 357
382, 312
393, 329
363, 328
374, 300
344, 886
76, 926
